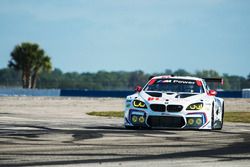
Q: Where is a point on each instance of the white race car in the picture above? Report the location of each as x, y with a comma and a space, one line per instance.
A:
175, 102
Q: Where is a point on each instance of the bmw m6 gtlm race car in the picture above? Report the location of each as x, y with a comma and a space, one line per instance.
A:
175, 102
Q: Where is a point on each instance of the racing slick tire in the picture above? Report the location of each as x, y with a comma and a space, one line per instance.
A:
212, 117
222, 117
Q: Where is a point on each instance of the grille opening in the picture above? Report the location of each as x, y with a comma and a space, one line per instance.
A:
174, 108
166, 121
158, 107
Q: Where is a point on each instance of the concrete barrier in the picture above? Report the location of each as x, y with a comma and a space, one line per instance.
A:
229, 94
95, 93
122, 94
246, 93
29, 92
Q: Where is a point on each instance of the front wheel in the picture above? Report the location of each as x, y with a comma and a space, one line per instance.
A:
212, 117
222, 117
217, 125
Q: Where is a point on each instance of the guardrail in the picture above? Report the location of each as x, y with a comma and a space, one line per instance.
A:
246, 93
94, 93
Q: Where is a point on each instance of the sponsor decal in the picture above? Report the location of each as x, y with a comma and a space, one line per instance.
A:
151, 82
184, 82
153, 98
166, 81
198, 83
189, 82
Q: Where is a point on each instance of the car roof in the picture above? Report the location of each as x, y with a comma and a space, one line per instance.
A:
176, 77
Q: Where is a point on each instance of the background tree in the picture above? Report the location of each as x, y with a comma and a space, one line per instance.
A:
207, 74
9, 78
137, 78
41, 63
30, 59
181, 72
168, 72
114, 80
210, 74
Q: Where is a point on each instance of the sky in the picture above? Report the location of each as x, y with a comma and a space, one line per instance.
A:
128, 35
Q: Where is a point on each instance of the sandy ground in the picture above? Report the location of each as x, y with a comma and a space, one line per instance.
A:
57, 104
237, 104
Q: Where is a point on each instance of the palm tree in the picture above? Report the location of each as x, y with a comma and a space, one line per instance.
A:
31, 60
42, 63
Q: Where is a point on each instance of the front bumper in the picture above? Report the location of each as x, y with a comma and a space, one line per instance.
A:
182, 120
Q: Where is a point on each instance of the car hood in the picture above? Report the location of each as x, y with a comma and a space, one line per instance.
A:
163, 97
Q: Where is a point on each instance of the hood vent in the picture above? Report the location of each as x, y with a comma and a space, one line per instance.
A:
184, 95
154, 94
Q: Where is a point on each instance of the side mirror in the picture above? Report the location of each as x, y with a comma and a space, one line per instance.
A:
212, 93
138, 88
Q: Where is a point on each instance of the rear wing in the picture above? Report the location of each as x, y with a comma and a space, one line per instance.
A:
214, 80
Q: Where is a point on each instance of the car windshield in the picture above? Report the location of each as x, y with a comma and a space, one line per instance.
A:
175, 85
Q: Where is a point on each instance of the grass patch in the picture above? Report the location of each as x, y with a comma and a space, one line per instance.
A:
229, 116
237, 117
107, 113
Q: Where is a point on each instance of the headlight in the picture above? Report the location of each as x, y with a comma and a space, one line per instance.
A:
139, 104
195, 106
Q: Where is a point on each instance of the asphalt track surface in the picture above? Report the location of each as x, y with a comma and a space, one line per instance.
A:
43, 136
